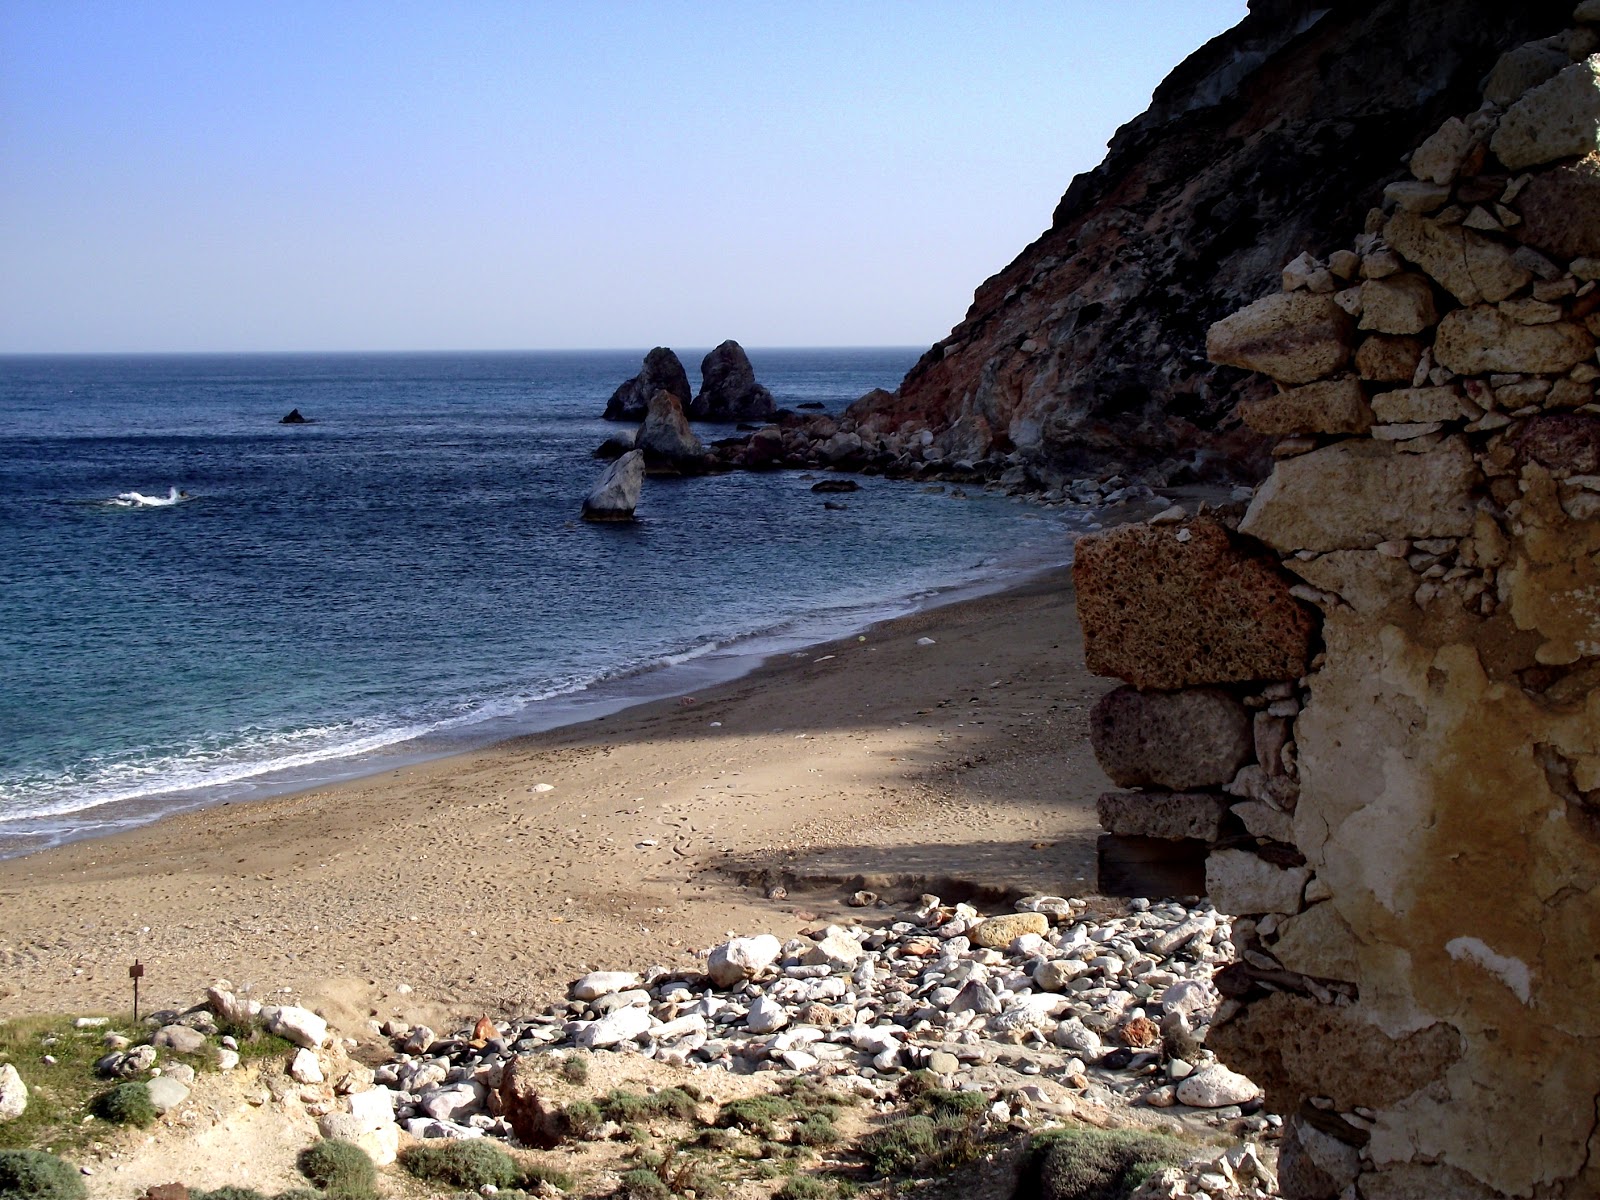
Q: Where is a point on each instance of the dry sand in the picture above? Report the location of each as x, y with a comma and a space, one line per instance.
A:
456, 886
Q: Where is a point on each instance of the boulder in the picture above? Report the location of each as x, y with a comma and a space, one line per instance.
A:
1333, 406
1559, 118
766, 1016
1295, 337
614, 1028
304, 1067
616, 495
298, 1025
13, 1093
1439, 159
1561, 210
1163, 814
1399, 304
1469, 265
837, 950
1482, 339
1353, 495
666, 439
293, 417
1195, 738
602, 983
999, 932
742, 958
616, 445
1240, 882
728, 388
662, 372
1172, 607
1523, 68
1216, 1087
166, 1093
180, 1038
535, 1119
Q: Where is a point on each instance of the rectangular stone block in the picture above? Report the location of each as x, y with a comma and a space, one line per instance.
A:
1163, 814
1155, 868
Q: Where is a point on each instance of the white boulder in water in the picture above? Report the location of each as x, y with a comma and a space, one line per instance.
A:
617, 494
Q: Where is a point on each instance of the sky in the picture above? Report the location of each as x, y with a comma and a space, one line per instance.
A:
345, 175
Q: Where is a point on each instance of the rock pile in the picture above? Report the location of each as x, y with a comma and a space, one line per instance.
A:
1415, 856
1051, 995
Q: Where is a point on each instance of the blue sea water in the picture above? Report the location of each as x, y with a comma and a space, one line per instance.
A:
403, 577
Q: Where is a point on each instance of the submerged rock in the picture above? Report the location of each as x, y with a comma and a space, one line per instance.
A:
662, 372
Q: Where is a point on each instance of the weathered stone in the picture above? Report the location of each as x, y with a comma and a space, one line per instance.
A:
534, 1118
1333, 406
1398, 304
742, 958
1295, 337
1196, 738
1270, 734
1160, 612
666, 438
304, 1067
1239, 882
1163, 814
623, 1025
1384, 358
299, 1025
766, 1015
1420, 404
1482, 339
1055, 974
602, 983
1215, 1087
1313, 1165
1353, 495
1261, 820
662, 372
1561, 210
180, 1038
166, 1093
1373, 584
616, 495
1424, 1181
728, 388
1281, 1041
235, 1010
1523, 68
1439, 159
1559, 118
999, 932
1317, 942
13, 1093
1469, 265
837, 950
1566, 444
1414, 196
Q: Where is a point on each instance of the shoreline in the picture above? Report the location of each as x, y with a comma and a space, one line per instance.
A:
459, 883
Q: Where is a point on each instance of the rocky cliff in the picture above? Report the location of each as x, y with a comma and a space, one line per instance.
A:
1087, 353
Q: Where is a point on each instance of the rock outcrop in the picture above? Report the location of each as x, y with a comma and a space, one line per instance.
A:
668, 444
1086, 354
728, 388
1413, 863
616, 495
662, 372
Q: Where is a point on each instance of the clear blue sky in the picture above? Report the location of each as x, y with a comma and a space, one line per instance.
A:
348, 175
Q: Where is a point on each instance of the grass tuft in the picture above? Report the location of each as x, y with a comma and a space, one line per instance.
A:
1084, 1163
127, 1104
341, 1169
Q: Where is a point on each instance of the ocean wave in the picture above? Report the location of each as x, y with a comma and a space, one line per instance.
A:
140, 500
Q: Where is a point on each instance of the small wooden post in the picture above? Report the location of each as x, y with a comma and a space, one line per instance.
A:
136, 973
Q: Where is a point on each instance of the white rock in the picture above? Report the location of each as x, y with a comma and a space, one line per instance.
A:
686, 1026
602, 983
798, 1060
614, 1028
166, 1093
766, 1015
1557, 119
373, 1108
13, 1093
1239, 882
298, 1025
837, 950
304, 1068
454, 1102
1216, 1087
236, 1010
227, 1059
1189, 996
742, 958
1077, 1037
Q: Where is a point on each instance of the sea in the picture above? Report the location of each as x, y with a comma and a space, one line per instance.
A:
200, 604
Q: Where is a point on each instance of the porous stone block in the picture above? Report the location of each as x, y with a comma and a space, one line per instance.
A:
1419, 404
1565, 443
1172, 607
1353, 495
1386, 358
1333, 406
1469, 265
1561, 210
1398, 304
1438, 160
1523, 68
1481, 340
1239, 882
1373, 584
1295, 337
1196, 738
1317, 942
999, 932
1559, 118
1163, 814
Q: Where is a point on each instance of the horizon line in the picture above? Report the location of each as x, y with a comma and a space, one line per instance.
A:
433, 350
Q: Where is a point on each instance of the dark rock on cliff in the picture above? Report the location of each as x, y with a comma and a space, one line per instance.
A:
728, 388
662, 372
1087, 353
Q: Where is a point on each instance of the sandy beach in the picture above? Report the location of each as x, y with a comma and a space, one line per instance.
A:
486, 881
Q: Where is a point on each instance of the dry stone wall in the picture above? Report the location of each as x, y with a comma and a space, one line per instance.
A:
1409, 614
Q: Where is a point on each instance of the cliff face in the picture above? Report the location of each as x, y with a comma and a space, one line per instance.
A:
1087, 353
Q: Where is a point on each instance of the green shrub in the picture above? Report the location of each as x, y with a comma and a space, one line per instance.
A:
672, 1103
35, 1175
757, 1114
899, 1147
803, 1187
642, 1184
581, 1118
340, 1168
126, 1104
816, 1130
1094, 1164
229, 1193
916, 1083
469, 1163
575, 1069
938, 1101
295, 1194
539, 1173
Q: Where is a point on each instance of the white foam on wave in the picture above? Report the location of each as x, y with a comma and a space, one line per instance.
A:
140, 500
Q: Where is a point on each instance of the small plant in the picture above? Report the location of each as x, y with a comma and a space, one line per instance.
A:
916, 1084
35, 1175
756, 1114
1094, 1164
230, 1193
582, 1118
341, 1169
641, 1183
466, 1164
541, 1174
804, 1187
939, 1101
673, 1103
899, 1147
816, 1130
575, 1069
126, 1104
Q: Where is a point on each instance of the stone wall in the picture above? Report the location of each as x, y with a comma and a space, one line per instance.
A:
1371, 699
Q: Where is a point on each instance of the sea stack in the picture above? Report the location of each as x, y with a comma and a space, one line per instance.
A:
728, 388
669, 445
617, 494
661, 372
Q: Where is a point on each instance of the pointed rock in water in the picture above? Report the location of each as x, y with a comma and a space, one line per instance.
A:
666, 439
728, 388
294, 418
616, 495
662, 372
